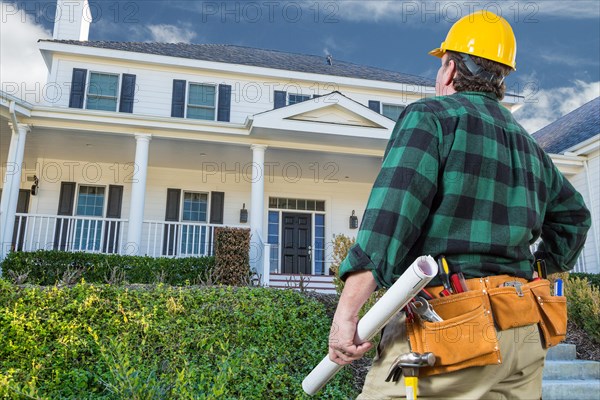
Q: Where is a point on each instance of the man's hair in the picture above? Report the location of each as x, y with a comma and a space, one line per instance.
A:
464, 80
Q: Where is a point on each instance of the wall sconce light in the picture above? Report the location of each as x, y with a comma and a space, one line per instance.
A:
35, 186
353, 221
243, 214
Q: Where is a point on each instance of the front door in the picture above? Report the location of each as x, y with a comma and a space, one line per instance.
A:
296, 243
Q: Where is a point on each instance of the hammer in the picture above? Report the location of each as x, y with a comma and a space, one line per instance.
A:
409, 364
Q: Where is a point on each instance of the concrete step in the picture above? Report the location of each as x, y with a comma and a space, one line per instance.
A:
571, 370
562, 351
571, 389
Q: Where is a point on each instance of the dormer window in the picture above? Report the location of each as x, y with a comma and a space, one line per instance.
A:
392, 111
102, 92
201, 102
297, 98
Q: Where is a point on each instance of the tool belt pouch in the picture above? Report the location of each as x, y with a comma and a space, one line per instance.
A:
465, 338
553, 313
513, 307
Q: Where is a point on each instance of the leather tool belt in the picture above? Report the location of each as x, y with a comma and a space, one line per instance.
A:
467, 335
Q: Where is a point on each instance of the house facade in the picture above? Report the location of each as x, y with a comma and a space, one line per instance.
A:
145, 148
573, 142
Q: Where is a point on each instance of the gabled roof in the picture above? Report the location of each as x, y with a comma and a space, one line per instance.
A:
257, 57
571, 129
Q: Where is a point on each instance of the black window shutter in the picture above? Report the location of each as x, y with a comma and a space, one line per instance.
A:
77, 88
66, 199
112, 229
21, 222
115, 200
127, 93
172, 215
280, 99
66, 203
178, 101
224, 109
217, 204
375, 106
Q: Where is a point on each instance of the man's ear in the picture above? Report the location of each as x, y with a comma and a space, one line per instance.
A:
449, 72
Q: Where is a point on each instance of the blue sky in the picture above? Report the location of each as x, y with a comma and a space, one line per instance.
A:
558, 58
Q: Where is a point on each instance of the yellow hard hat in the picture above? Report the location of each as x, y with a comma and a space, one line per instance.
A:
482, 34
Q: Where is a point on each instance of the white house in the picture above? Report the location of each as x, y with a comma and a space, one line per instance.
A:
144, 148
573, 142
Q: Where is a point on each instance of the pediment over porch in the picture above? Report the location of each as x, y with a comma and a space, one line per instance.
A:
323, 119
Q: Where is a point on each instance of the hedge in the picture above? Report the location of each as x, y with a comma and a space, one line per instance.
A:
594, 279
113, 342
51, 267
232, 256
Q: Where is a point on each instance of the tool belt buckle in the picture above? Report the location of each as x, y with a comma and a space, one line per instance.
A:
517, 285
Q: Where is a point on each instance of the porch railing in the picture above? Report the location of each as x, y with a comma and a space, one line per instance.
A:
69, 233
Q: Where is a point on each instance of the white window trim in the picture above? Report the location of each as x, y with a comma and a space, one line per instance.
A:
187, 96
183, 192
87, 88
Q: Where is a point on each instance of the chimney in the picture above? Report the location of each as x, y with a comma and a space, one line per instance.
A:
72, 20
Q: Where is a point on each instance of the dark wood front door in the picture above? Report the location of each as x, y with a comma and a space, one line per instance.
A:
296, 243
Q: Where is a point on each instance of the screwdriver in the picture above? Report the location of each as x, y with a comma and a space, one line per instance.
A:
444, 272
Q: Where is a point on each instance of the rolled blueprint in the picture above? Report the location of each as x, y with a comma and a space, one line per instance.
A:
412, 281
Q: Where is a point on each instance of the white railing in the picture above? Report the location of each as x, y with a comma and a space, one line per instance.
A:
179, 239
69, 233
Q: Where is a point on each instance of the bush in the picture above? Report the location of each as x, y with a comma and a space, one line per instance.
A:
109, 342
232, 256
594, 279
583, 301
51, 267
341, 246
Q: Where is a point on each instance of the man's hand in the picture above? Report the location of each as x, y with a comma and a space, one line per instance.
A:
342, 347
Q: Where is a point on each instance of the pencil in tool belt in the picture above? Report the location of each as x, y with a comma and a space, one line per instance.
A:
540, 266
444, 272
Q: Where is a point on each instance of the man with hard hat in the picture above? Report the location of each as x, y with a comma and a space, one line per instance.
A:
461, 178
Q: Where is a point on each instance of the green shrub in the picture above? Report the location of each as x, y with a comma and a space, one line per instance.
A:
232, 256
594, 279
51, 267
583, 302
109, 342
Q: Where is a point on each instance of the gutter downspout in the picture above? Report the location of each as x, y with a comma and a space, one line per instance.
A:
592, 212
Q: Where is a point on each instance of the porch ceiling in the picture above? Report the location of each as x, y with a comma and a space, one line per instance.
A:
46, 143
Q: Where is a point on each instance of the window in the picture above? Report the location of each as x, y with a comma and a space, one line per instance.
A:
103, 92
297, 98
201, 102
319, 244
296, 204
88, 232
193, 237
273, 240
392, 111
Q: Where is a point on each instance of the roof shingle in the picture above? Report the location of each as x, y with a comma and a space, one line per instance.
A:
257, 57
575, 127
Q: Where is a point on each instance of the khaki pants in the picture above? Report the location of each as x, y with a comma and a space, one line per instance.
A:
518, 377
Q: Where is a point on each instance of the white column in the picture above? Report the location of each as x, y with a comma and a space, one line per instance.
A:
12, 184
138, 195
257, 204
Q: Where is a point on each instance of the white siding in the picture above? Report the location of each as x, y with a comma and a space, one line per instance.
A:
249, 96
591, 196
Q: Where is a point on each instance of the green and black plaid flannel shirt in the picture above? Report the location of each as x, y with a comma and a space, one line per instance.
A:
461, 177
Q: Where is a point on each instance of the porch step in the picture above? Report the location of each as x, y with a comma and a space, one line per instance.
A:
563, 351
318, 283
567, 378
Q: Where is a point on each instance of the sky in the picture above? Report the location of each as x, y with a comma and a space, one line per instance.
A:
558, 56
